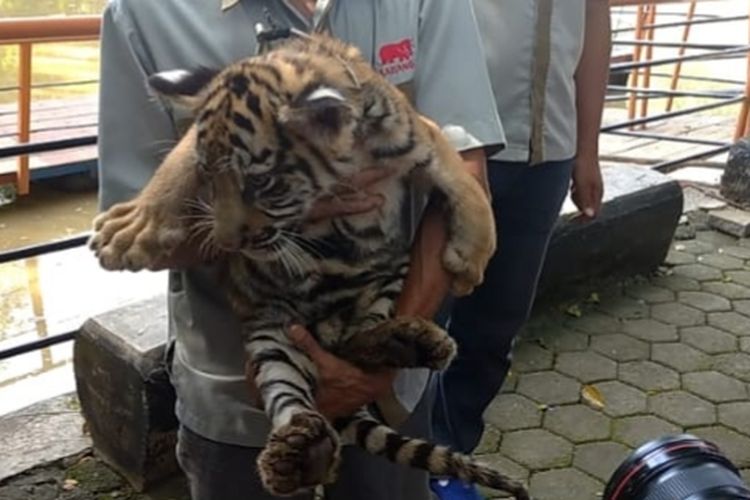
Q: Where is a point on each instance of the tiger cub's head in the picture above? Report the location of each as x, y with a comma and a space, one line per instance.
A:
273, 132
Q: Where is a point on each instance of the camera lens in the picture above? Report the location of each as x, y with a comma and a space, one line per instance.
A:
677, 468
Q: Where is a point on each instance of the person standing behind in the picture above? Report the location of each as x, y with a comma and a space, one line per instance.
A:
549, 63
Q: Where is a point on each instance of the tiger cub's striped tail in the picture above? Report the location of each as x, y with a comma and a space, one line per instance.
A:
378, 439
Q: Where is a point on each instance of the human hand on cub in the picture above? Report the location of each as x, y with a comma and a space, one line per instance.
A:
355, 196
342, 387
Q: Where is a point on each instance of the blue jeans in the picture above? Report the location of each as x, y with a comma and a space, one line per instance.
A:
526, 202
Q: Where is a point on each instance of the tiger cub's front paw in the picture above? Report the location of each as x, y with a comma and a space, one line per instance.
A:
403, 342
134, 236
299, 455
471, 245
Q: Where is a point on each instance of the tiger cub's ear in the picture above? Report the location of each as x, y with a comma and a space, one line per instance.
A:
182, 88
322, 109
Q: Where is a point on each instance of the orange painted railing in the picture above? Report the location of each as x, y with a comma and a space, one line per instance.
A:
25, 32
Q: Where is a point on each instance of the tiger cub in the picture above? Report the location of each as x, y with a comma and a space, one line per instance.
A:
271, 134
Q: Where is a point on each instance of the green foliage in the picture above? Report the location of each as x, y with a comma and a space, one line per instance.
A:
52, 63
25, 8
8, 65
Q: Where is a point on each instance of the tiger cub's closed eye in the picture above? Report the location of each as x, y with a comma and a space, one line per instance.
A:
260, 181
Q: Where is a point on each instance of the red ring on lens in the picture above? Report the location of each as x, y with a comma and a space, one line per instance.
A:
635, 470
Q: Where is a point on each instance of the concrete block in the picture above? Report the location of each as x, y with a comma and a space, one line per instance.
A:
632, 235
125, 395
706, 176
706, 199
732, 221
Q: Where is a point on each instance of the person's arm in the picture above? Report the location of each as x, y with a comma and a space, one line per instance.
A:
427, 283
343, 388
591, 85
189, 254
450, 62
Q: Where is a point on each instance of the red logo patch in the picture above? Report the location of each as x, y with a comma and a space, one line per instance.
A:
397, 57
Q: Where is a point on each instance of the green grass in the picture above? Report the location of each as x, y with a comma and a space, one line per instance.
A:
52, 63
55, 62
29, 8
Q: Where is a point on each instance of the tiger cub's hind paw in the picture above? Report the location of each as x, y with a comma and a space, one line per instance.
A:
404, 342
471, 245
467, 270
299, 456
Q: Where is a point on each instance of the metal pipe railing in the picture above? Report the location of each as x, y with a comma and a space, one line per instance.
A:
665, 137
736, 50
725, 94
51, 85
670, 165
672, 114
44, 248
674, 45
25, 32
46, 146
49, 29
694, 78
677, 24
36, 345
28, 31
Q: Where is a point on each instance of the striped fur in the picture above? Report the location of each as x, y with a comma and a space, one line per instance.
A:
273, 133
381, 440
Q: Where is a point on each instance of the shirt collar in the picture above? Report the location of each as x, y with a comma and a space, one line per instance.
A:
322, 9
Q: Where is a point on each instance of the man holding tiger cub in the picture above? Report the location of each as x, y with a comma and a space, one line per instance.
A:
430, 49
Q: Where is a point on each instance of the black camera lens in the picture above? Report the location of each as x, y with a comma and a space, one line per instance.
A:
677, 468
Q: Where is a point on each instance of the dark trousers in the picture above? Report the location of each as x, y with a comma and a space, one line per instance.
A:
221, 471
526, 202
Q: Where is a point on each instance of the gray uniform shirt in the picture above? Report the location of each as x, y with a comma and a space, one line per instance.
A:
429, 46
533, 48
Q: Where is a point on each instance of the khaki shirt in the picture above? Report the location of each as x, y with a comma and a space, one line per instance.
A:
532, 49
431, 47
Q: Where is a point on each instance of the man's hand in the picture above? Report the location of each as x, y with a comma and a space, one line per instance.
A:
591, 87
351, 197
342, 387
587, 190
428, 283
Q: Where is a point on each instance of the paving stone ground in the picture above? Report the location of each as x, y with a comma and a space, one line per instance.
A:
667, 353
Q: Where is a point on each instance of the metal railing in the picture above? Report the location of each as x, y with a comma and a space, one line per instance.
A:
74, 29
36, 251
639, 93
25, 33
